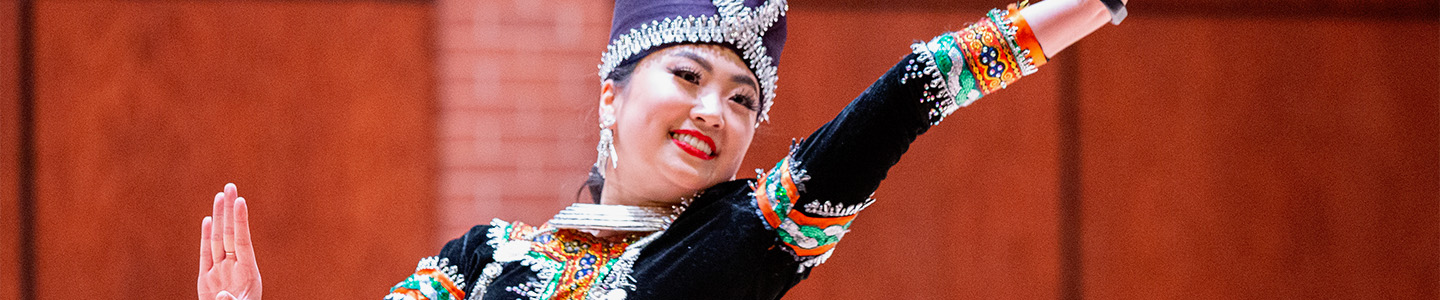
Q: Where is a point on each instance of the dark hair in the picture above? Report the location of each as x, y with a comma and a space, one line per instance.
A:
621, 73
595, 182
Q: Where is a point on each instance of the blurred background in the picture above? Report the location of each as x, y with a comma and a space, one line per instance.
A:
1205, 149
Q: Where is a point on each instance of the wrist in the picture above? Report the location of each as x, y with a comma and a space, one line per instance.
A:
1059, 23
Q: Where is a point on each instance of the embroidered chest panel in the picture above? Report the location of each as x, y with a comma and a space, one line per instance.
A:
568, 264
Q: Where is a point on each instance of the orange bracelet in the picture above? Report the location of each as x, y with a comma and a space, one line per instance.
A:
1026, 37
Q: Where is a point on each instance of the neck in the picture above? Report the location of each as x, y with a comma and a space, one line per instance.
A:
615, 192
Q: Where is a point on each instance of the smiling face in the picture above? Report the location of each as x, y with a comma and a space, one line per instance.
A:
683, 122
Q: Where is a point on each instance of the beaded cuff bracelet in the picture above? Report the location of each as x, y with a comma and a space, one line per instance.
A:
960, 67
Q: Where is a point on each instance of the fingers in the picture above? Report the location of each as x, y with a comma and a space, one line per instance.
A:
205, 260
244, 250
230, 195
217, 217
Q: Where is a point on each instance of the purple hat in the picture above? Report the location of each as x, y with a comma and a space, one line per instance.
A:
755, 29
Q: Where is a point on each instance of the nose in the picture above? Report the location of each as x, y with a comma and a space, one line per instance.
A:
708, 112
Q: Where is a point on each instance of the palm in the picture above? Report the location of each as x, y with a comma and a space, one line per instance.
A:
227, 258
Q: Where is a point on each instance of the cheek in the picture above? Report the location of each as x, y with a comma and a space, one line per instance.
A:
739, 141
656, 103
741, 129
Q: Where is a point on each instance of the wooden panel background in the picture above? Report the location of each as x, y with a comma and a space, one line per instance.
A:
1261, 158
9, 150
320, 111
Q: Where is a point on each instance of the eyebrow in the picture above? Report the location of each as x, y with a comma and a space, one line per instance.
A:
698, 60
704, 63
746, 80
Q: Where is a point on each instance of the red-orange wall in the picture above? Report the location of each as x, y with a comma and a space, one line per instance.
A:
9, 149
322, 112
1204, 149
1271, 157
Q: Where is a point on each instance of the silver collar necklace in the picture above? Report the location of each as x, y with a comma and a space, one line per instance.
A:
586, 216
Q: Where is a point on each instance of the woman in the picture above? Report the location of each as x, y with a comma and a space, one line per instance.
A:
685, 84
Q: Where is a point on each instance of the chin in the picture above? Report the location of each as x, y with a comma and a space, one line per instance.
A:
689, 178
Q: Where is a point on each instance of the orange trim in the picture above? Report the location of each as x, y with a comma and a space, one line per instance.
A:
444, 282
767, 207
1026, 38
822, 222
788, 183
762, 199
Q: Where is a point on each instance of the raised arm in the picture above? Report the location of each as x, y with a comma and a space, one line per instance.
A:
812, 195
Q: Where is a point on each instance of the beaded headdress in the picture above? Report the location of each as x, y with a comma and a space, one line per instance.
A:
755, 29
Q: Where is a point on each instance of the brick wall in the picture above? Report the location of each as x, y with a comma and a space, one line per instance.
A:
517, 93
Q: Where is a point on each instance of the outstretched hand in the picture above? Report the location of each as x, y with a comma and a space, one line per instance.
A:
227, 259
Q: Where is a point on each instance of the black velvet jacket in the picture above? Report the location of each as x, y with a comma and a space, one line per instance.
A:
731, 243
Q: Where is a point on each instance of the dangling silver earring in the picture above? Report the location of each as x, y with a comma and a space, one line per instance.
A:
606, 148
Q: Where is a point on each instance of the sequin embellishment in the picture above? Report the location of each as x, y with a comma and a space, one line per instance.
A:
434, 279
567, 263
734, 23
960, 67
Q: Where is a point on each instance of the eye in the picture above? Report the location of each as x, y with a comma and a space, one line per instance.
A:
747, 101
687, 74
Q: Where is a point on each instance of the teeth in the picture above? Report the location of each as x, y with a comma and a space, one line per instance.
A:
693, 142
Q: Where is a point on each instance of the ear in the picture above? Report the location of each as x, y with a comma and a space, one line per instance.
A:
607, 96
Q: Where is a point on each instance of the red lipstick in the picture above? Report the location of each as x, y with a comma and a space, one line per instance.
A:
692, 150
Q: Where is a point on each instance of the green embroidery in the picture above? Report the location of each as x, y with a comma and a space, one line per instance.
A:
946, 43
778, 195
819, 235
950, 62
416, 282
790, 232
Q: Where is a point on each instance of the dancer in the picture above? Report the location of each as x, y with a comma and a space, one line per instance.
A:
684, 85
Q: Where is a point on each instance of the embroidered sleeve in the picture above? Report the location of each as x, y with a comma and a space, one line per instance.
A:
959, 67
434, 279
444, 276
810, 233
812, 196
